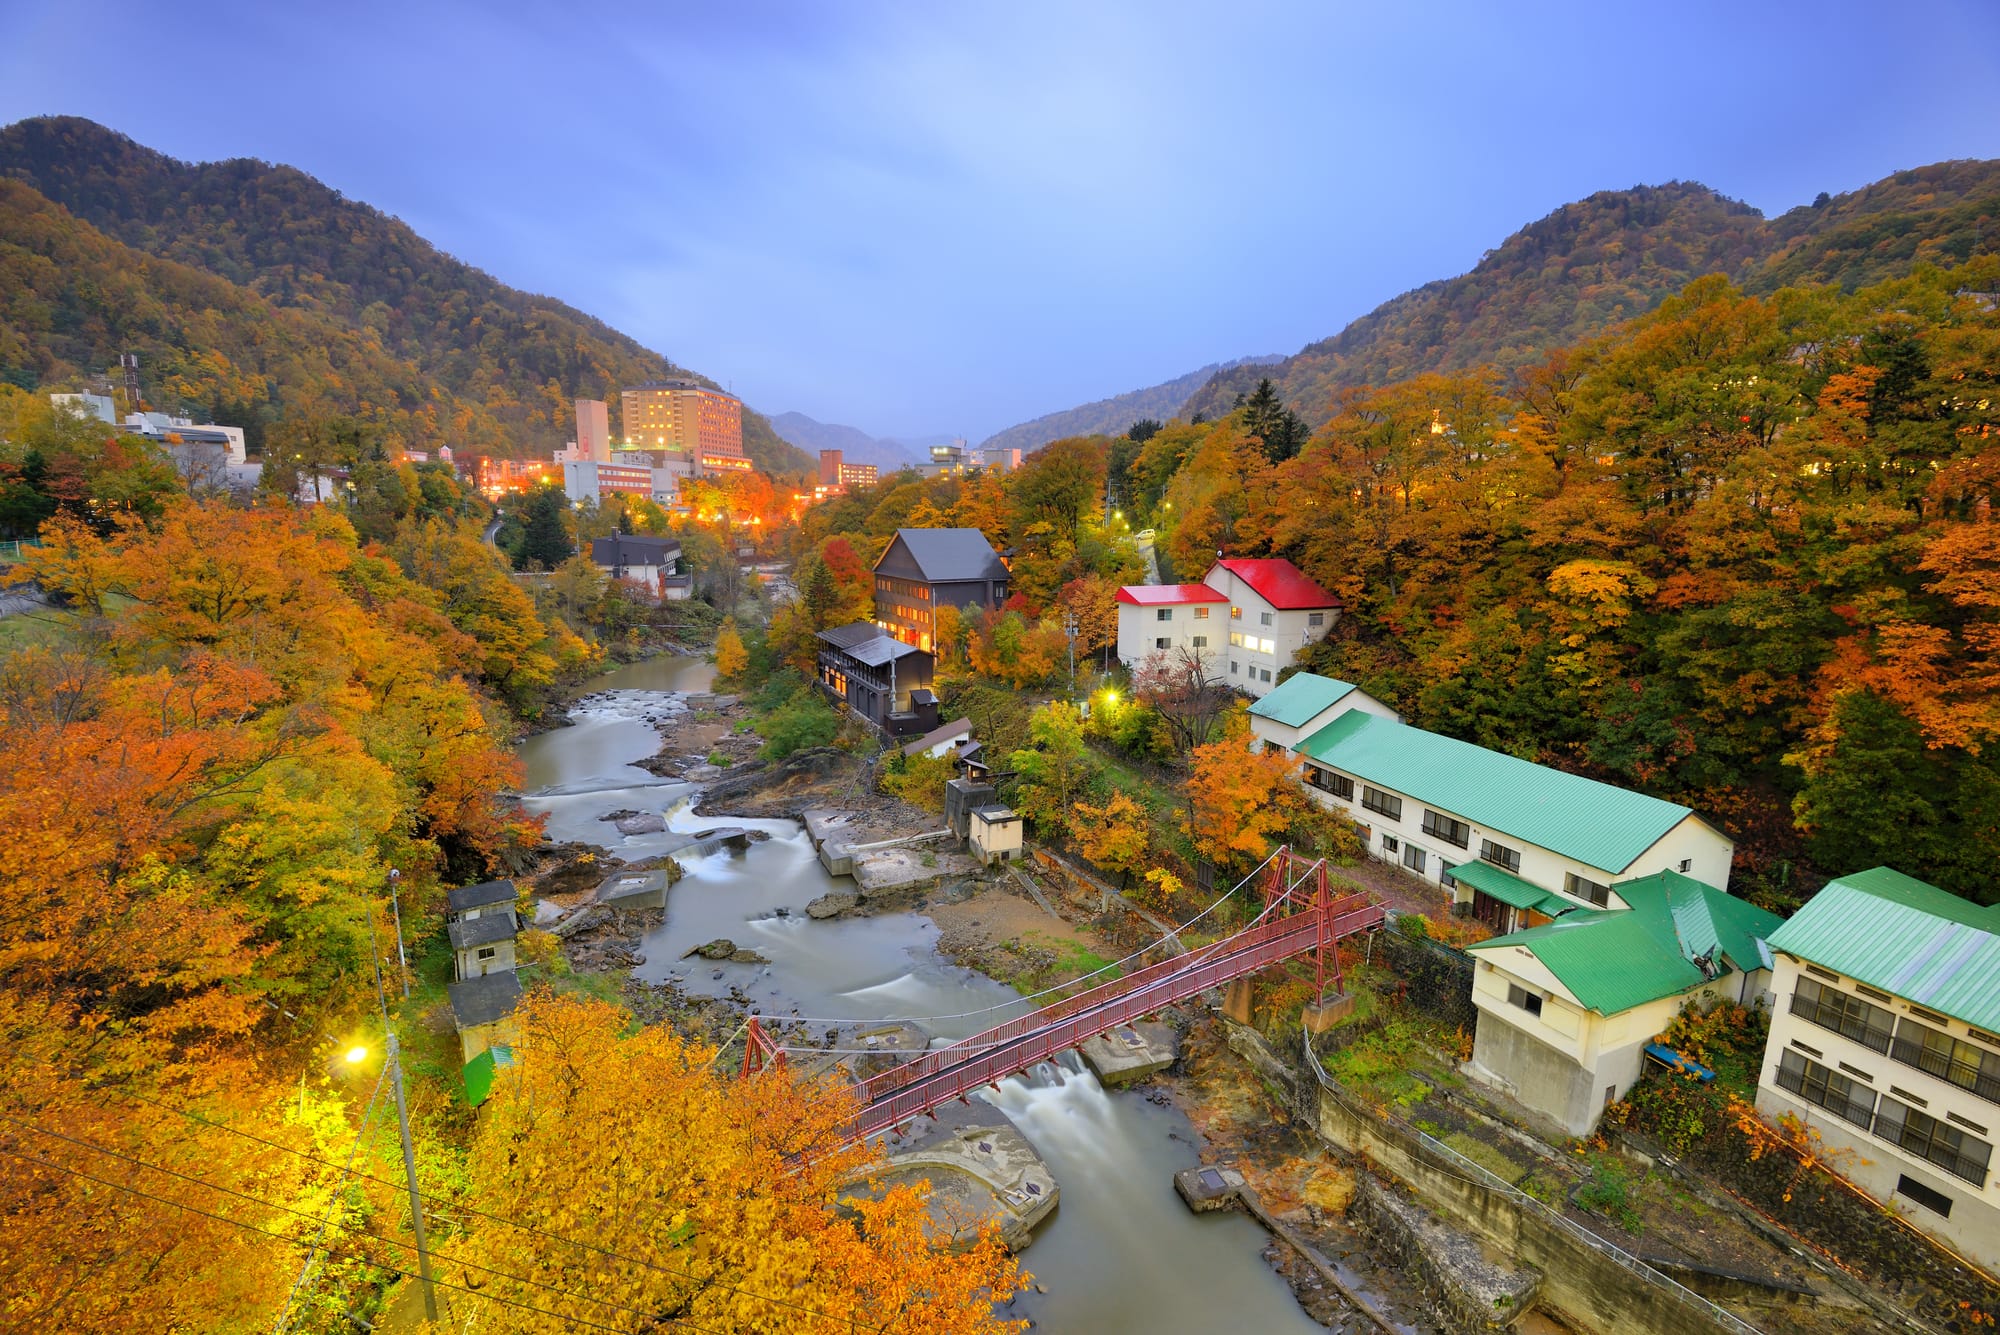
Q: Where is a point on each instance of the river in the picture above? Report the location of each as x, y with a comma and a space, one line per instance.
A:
1121, 1252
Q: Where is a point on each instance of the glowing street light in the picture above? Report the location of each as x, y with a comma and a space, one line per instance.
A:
356, 1055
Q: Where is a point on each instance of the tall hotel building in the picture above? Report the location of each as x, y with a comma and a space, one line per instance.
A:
681, 415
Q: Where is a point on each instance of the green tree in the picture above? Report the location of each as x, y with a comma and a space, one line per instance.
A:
545, 540
1055, 770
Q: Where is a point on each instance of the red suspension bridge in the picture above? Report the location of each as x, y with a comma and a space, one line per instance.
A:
1300, 915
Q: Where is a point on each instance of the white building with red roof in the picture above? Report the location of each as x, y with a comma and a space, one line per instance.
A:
1247, 618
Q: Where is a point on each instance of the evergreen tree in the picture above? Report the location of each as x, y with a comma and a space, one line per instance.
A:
1282, 432
546, 542
1143, 430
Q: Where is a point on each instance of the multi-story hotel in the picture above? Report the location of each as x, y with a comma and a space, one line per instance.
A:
1886, 1041
691, 418
836, 472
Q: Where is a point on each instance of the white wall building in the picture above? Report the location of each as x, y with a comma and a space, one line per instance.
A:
1502, 834
1154, 618
99, 406
1886, 1041
1269, 610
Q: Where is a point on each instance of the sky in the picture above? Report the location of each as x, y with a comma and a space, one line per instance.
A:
920, 218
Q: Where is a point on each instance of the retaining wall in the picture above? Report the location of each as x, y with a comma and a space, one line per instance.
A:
1586, 1280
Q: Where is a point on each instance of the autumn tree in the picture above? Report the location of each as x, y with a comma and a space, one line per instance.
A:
1115, 835
1055, 769
1177, 686
1239, 802
731, 658
742, 1205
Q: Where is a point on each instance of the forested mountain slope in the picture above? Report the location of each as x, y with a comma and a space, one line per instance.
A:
483, 366
1115, 415
1616, 255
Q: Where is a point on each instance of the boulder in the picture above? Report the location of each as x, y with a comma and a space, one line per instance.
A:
832, 904
721, 948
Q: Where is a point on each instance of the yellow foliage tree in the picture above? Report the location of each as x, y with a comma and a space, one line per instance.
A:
730, 655
738, 1207
1238, 802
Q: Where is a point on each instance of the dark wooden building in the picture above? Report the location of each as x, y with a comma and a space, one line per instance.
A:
925, 568
882, 679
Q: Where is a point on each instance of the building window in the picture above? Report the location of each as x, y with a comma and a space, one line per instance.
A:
1389, 844
1232, 667
1687, 865
1198, 641
1530, 1002
488, 952
1830, 1008
1928, 1138
1381, 803
1267, 674
1327, 781
1500, 855
1263, 618
1580, 888
1948, 1058
1163, 614
1163, 643
1201, 614
1235, 614
1445, 878
1315, 618
1930, 1198
1829, 1089
1413, 858
1444, 827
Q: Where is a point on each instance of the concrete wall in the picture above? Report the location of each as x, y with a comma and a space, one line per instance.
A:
1553, 1083
1588, 1287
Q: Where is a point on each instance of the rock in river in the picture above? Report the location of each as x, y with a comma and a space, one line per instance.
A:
832, 904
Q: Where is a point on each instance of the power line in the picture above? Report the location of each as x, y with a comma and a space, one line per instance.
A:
299, 1242
498, 1219
286, 1209
333, 1201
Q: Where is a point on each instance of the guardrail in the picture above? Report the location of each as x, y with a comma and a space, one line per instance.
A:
1457, 1163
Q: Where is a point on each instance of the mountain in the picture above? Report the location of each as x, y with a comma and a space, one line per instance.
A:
1617, 254
1114, 416
856, 445
472, 362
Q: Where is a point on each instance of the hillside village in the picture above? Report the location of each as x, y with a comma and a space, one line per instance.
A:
1484, 824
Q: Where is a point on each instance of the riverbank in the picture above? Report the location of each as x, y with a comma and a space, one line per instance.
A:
931, 951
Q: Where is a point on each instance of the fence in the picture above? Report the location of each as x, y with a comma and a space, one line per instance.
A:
1448, 1160
1437, 978
11, 551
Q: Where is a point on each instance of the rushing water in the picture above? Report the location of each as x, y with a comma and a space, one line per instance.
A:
1121, 1252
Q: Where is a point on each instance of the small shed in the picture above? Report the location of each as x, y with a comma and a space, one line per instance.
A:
635, 890
996, 834
470, 901
483, 1009
483, 1071
483, 945
961, 798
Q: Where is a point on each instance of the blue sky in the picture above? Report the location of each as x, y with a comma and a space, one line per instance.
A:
921, 218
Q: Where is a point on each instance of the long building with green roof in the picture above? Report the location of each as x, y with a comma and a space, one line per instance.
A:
1886, 1040
1516, 841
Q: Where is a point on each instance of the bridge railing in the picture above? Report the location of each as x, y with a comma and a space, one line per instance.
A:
939, 1059
983, 1061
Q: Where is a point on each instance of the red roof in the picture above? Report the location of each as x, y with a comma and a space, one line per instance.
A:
1156, 595
1279, 583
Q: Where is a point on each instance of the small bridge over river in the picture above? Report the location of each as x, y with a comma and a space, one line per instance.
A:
1300, 916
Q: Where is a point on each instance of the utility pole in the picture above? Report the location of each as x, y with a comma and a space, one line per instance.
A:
1069, 633
410, 1172
396, 905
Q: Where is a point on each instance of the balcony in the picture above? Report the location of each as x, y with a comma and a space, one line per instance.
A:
1843, 1022
1911, 1052
1919, 1145
1848, 1110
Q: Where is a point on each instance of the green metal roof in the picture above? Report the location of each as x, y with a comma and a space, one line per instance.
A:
1508, 888
1614, 959
1299, 697
483, 1070
1595, 823
1905, 937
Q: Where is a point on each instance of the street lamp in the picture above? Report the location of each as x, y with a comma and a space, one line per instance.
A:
357, 1055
